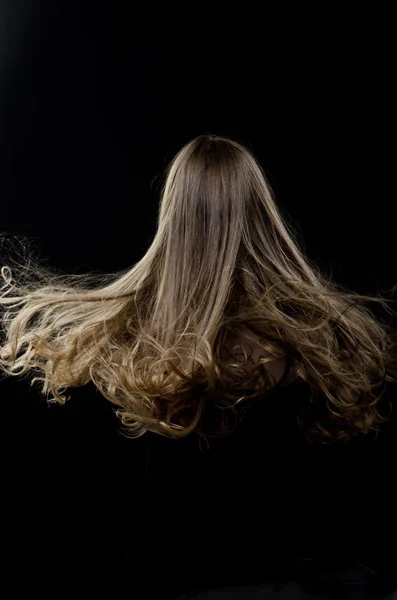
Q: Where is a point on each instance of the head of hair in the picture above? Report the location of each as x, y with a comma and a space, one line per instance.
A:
152, 337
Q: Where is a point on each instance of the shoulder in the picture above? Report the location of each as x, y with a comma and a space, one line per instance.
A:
277, 367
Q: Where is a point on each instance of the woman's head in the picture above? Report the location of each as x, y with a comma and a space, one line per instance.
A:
218, 221
152, 338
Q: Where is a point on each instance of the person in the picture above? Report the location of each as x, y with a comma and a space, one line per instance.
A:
197, 341
223, 295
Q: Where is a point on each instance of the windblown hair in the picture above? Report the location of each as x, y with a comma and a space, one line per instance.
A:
153, 338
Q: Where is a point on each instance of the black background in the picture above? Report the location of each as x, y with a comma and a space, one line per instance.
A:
95, 100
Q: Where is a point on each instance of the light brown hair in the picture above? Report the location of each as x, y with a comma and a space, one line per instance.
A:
152, 338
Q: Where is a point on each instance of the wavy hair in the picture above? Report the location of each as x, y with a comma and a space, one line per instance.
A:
155, 337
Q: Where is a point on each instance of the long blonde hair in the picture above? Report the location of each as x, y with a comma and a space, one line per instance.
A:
152, 337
